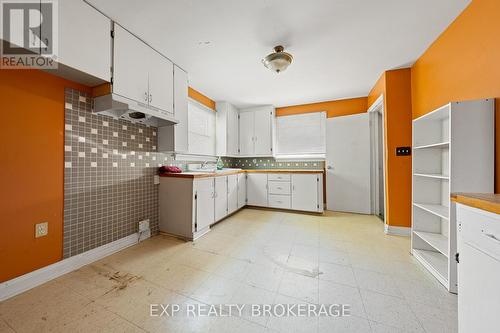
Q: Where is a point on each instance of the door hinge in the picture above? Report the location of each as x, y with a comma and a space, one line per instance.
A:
196, 226
317, 179
112, 34
111, 80
271, 149
318, 206
457, 257
238, 116
238, 150
196, 196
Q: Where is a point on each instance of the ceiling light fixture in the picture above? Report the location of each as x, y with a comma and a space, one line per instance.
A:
279, 60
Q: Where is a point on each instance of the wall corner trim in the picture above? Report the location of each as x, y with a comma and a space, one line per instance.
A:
30, 280
397, 231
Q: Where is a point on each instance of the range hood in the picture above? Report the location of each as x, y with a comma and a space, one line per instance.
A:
120, 107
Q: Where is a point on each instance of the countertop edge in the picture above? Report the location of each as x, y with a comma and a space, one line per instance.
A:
489, 202
233, 172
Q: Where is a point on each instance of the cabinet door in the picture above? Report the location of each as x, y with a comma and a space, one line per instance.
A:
181, 110
84, 39
205, 208
246, 133
232, 193
232, 131
130, 75
220, 197
305, 192
242, 190
257, 189
263, 138
161, 82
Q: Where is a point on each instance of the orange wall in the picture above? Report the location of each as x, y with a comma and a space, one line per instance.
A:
462, 64
197, 96
395, 85
31, 177
333, 108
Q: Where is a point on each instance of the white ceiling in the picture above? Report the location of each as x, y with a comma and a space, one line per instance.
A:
340, 47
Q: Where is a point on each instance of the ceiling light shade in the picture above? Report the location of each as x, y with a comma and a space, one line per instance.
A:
279, 60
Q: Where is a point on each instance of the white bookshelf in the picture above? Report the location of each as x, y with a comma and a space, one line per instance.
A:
453, 151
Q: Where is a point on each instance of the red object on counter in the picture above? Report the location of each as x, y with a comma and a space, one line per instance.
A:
169, 169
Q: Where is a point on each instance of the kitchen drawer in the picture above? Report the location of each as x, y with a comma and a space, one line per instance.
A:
279, 201
480, 229
279, 177
279, 188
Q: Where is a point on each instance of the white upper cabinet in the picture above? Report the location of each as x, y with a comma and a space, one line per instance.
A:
142, 74
84, 43
161, 82
181, 110
262, 131
256, 127
174, 138
246, 133
130, 75
227, 129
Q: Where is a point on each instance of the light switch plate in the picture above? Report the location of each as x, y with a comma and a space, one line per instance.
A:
41, 229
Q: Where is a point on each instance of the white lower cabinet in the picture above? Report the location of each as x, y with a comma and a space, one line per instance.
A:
297, 191
478, 269
232, 193
204, 203
189, 206
279, 201
221, 197
242, 190
307, 192
257, 189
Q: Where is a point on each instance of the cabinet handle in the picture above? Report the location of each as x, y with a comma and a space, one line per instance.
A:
492, 237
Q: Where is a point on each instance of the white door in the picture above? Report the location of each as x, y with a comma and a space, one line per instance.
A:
161, 82
257, 189
181, 110
305, 192
84, 39
242, 190
246, 133
130, 75
205, 207
348, 164
220, 197
232, 193
262, 132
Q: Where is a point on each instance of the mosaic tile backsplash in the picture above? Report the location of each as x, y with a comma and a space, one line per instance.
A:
108, 179
270, 163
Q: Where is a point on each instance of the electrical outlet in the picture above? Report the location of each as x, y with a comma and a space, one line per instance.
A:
143, 225
41, 229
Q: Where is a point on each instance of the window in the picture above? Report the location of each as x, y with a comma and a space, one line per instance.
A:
301, 136
201, 129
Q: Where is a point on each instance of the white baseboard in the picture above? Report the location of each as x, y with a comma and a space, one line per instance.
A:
397, 231
30, 280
